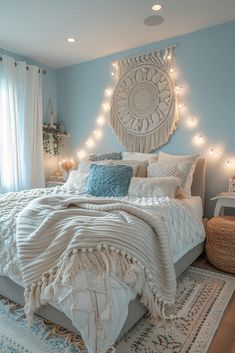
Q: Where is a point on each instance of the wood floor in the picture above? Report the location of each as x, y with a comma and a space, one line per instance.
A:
224, 339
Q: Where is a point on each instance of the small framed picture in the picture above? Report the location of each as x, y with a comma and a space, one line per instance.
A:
231, 188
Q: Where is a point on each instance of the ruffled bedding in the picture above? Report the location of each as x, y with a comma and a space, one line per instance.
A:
101, 327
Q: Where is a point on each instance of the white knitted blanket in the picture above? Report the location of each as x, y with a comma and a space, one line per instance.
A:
57, 236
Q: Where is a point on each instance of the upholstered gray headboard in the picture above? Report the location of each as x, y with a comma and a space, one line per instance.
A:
198, 185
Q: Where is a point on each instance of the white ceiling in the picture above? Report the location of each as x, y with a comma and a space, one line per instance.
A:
37, 28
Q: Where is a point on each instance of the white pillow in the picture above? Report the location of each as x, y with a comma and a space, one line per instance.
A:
153, 187
141, 166
156, 169
77, 180
84, 166
186, 165
137, 156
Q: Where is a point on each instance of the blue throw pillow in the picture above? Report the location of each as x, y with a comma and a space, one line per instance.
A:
109, 180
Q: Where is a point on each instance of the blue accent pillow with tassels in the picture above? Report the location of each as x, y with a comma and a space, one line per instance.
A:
109, 180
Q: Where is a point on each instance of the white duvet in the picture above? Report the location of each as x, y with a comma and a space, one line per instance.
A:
183, 236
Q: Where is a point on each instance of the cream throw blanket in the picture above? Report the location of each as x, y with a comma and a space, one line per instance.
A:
59, 235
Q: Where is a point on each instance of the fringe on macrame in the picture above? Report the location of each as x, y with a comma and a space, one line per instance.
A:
148, 142
103, 260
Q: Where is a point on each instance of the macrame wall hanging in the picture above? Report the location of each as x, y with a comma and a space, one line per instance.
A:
143, 108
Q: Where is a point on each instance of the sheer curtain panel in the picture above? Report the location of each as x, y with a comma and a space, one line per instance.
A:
21, 153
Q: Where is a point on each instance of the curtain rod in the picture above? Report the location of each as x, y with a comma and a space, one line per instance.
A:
27, 68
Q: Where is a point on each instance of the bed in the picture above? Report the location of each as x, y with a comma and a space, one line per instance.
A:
183, 257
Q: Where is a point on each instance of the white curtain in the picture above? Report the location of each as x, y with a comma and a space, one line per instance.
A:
21, 153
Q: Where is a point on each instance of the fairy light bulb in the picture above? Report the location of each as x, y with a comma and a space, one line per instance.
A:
108, 92
81, 154
169, 57
90, 143
100, 120
191, 122
105, 107
177, 89
181, 105
228, 164
198, 140
98, 134
211, 152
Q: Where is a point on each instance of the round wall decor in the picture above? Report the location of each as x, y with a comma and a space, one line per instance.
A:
143, 109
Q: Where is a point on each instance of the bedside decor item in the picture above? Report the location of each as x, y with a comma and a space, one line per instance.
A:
231, 188
224, 199
67, 165
220, 243
143, 108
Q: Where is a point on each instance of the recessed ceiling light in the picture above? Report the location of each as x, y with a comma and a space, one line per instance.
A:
71, 40
157, 7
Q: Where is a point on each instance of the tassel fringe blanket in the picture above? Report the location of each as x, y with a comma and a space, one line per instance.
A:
57, 236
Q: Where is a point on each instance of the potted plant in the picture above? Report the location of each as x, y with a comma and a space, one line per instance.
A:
52, 140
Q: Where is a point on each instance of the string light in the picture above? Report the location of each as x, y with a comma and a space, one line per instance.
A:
178, 89
108, 92
90, 143
192, 122
213, 152
81, 154
106, 107
98, 134
199, 140
181, 105
100, 120
230, 164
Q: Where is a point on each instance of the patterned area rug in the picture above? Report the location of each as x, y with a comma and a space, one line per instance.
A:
202, 297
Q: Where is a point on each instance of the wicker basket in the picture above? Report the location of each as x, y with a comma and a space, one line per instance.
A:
220, 243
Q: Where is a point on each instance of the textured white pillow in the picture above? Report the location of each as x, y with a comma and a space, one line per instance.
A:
186, 165
77, 180
153, 187
137, 156
141, 166
156, 169
180, 170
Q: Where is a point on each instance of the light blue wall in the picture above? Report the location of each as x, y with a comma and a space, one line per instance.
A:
49, 84
206, 61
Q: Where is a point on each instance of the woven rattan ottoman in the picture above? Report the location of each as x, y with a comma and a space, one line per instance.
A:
220, 243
